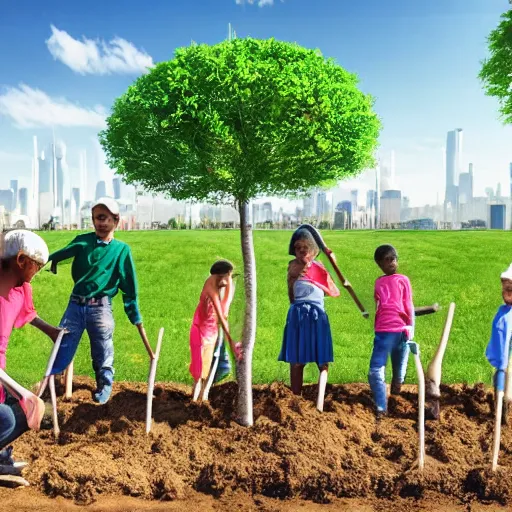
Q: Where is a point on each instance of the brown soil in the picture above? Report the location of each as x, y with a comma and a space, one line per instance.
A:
198, 457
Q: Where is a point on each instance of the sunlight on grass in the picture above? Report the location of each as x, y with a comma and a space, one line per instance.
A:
463, 267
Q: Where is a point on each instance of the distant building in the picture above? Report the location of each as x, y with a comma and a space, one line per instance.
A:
101, 190
466, 186
453, 165
321, 204
23, 201
390, 208
14, 187
7, 199
117, 187
497, 216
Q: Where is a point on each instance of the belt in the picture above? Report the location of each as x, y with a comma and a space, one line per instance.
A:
93, 301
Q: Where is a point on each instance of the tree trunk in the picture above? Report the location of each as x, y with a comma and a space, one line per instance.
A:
244, 374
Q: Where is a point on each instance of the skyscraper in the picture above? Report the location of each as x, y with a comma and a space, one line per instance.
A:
23, 201
117, 187
14, 186
466, 186
453, 161
101, 190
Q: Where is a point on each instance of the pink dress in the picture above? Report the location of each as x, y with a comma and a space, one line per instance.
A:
395, 309
15, 311
203, 333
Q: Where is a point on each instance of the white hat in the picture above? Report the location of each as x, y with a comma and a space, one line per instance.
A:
507, 274
109, 203
27, 243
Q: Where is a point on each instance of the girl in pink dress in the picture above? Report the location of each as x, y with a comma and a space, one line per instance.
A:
394, 326
211, 311
22, 255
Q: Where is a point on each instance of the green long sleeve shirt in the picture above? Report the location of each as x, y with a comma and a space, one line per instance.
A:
102, 269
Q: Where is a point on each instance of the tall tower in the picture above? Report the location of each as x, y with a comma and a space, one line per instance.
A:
34, 192
453, 161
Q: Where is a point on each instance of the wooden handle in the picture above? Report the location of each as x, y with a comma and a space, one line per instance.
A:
151, 381
434, 368
347, 285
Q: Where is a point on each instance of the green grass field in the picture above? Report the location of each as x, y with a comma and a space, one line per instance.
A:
172, 265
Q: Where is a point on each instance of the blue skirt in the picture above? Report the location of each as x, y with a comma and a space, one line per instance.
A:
307, 336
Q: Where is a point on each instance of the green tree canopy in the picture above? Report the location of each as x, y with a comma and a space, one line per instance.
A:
496, 72
239, 119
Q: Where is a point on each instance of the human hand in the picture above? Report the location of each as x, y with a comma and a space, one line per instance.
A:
55, 332
238, 351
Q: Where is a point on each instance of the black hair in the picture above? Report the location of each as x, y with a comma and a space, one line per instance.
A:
305, 235
221, 267
382, 251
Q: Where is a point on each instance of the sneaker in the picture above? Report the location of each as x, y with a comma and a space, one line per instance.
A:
102, 395
396, 387
379, 415
8, 463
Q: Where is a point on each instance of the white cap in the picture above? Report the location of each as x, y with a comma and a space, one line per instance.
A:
27, 243
109, 203
507, 274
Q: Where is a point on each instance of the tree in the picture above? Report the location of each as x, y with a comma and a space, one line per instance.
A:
496, 72
237, 120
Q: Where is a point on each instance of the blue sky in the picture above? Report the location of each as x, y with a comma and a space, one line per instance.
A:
420, 59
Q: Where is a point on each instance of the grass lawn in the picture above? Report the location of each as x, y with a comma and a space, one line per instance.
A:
463, 267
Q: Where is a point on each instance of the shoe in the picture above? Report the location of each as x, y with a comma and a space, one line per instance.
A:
396, 387
8, 464
379, 415
102, 395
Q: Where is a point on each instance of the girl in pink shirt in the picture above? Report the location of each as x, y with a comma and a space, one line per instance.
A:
22, 255
394, 326
210, 312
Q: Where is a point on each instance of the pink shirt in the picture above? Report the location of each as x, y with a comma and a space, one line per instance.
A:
15, 311
395, 309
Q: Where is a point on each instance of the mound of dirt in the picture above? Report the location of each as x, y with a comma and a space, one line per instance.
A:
293, 451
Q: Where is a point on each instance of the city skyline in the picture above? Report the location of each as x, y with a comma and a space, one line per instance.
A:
74, 63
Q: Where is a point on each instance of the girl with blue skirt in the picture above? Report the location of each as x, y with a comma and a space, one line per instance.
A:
307, 334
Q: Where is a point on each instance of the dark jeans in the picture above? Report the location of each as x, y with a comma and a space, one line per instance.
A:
13, 422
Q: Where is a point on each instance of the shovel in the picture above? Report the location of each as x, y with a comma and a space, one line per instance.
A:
433, 380
49, 379
415, 349
151, 381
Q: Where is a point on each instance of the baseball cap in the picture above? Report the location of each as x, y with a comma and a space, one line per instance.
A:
507, 274
25, 242
109, 203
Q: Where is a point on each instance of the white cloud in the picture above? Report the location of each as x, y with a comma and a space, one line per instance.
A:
98, 57
261, 3
32, 108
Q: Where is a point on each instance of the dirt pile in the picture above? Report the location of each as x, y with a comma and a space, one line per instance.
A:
293, 451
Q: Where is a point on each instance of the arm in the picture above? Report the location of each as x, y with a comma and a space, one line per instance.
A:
129, 288
51, 331
227, 298
409, 308
214, 297
63, 254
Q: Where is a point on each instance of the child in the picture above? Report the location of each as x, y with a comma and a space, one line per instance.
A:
498, 348
101, 267
23, 254
307, 334
210, 311
394, 326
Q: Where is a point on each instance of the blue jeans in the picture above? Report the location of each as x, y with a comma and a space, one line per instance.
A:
385, 343
13, 422
98, 320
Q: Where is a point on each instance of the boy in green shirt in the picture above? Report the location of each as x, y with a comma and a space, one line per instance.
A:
101, 267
